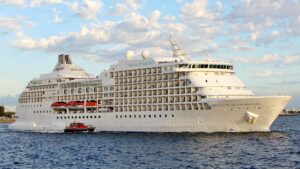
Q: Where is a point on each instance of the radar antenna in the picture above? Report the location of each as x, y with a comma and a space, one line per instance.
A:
178, 51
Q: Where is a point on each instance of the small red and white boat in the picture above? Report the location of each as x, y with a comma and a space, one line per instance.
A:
59, 105
78, 127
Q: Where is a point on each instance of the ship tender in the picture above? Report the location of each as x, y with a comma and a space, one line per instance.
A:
151, 94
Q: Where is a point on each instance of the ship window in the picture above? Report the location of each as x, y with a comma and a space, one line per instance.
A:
149, 116
87, 117
75, 117
65, 117
160, 115
61, 117
83, 117
91, 117
144, 116
129, 116
99, 117
116, 116
56, 117
166, 116
134, 116
121, 116
139, 116
125, 116
172, 115
154, 115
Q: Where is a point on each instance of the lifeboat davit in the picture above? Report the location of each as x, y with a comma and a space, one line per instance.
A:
59, 105
91, 104
79, 127
76, 104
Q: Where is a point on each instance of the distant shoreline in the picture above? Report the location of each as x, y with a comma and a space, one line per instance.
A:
7, 121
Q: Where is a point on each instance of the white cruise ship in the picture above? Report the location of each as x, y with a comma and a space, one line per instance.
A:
150, 94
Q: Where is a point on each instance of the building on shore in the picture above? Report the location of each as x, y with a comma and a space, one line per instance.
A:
286, 112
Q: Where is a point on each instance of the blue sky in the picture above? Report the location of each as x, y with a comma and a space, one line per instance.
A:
260, 37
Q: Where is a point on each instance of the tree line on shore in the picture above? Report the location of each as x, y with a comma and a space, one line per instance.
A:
6, 114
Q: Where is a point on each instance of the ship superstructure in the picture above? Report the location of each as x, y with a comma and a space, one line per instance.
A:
150, 94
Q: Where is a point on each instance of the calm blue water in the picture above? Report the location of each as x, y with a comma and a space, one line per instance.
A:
277, 149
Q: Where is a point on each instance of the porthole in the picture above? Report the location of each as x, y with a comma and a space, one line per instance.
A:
129, 116
83, 117
134, 116
154, 115
172, 115
95, 117
65, 117
116, 116
139, 116
125, 116
166, 116
75, 117
60, 117
87, 117
149, 116
79, 117
99, 117
56, 117
160, 115
144, 116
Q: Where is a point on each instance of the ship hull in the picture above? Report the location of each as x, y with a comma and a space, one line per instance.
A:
225, 115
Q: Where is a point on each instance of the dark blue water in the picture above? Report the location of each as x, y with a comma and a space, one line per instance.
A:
277, 149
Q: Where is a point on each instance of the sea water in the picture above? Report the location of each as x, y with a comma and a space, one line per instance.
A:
277, 149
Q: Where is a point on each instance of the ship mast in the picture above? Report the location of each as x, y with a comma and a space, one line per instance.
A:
178, 51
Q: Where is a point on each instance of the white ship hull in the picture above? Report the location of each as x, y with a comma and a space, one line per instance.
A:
225, 115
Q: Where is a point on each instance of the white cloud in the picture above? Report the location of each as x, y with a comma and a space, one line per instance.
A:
14, 24
118, 9
19, 3
133, 4
196, 10
266, 15
169, 18
88, 9
267, 73
292, 59
38, 3
57, 18
134, 32
270, 59
254, 36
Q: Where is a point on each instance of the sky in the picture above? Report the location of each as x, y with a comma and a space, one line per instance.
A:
261, 37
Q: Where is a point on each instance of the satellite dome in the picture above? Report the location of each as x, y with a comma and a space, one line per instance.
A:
145, 54
129, 55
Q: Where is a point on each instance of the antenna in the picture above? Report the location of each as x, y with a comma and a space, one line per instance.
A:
178, 51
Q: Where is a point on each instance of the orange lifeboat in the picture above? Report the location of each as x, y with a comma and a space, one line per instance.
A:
91, 104
76, 104
59, 105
